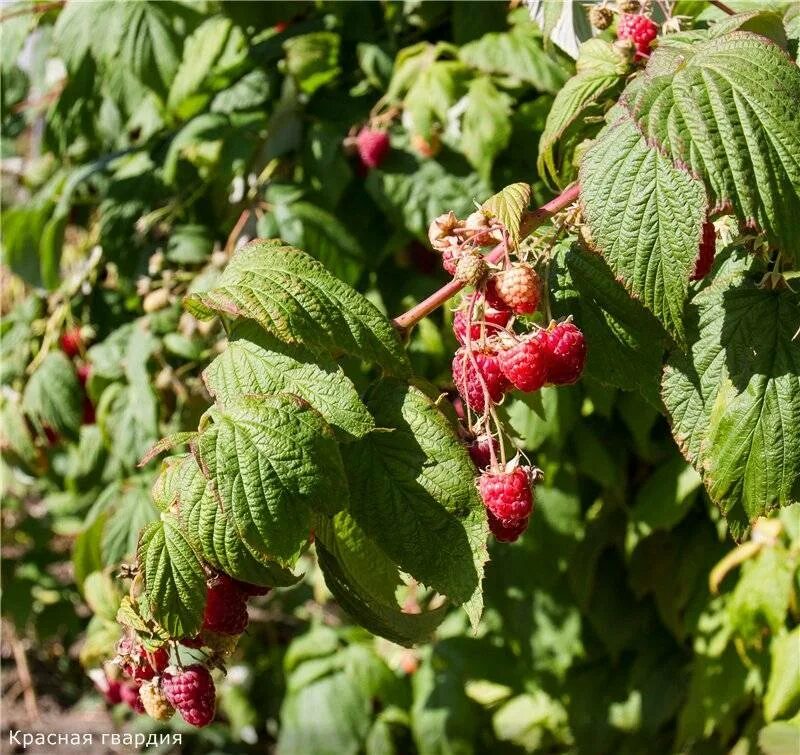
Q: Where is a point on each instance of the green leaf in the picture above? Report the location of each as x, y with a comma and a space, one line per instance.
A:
210, 527
189, 244
174, 581
313, 59
645, 215
779, 738
413, 493
733, 398
52, 396
254, 362
321, 235
666, 496
211, 54
708, 108
517, 54
294, 298
28, 244
625, 344
783, 688
432, 93
486, 126
767, 23
576, 111
508, 206
273, 460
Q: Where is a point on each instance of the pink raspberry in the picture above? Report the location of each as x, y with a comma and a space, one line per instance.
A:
191, 692
71, 342
566, 354
480, 450
525, 363
373, 146
708, 248
506, 530
518, 288
508, 495
639, 29
129, 694
469, 367
495, 319
226, 607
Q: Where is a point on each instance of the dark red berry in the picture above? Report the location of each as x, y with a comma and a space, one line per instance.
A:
226, 607
525, 363
708, 248
480, 450
566, 354
468, 369
507, 494
192, 693
506, 530
493, 320
373, 146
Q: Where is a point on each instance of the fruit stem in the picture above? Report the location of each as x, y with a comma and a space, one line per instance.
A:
724, 8
530, 221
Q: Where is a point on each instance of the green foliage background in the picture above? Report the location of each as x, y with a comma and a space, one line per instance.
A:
167, 125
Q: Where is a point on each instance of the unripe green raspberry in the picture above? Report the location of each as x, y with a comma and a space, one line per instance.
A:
471, 268
629, 6
600, 17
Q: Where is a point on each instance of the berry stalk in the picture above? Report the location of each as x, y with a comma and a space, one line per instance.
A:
531, 221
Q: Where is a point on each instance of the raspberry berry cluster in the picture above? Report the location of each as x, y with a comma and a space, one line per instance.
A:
502, 347
634, 25
148, 682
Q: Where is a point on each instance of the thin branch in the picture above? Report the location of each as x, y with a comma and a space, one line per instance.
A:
35, 8
724, 8
531, 221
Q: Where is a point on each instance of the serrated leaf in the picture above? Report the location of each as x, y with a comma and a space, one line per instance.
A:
767, 23
363, 580
783, 688
733, 398
486, 126
52, 395
413, 493
508, 206
313, 59
708, 108
645, 216
294, 298
272, 460
174, 581
432, 93
255, 362
625, 344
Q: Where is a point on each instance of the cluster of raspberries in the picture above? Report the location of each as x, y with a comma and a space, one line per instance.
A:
500, 351
634, 26
145, 680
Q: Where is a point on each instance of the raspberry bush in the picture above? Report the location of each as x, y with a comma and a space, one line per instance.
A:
433, 321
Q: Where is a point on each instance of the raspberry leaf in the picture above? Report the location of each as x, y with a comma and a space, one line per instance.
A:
52, 396
735, 408
363, 580
255, 362
645, 216
508, 206
413, 493
174, 581
211, 529
272, 459
295, 299
486, 126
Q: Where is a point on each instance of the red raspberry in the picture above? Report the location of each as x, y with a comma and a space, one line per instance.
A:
495, 319
467, 380
525, 363
139, 664
508, 495
192, 694
480, 450
506, 530
708, 248
84, 372
566, 354
88, 417
639, 29
450, 257
281, 27
71, 342
129, 694
226, 607
518, 288
373, 146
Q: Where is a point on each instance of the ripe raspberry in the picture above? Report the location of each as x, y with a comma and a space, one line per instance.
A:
480, 450
192, 693
708, 248
506, 530
639, 29
129, 693
226, 607
600, 17
139, 664
373, 146
71, 342
467, 380
471, 268
507, 495
155, 702
566, 355
525, 363
494, 319
518, 288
